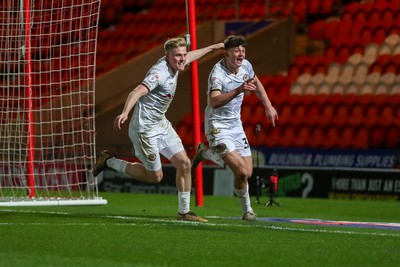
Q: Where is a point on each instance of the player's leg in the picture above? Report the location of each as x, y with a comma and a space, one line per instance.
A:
135, 170
203, 152
237, 157
149, 170
238, 166
249, 165
249, 215
241, 172
182, 163
176, 154
147, 151
183, 180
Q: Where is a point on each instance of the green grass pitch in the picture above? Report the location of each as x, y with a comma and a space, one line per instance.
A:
142, 230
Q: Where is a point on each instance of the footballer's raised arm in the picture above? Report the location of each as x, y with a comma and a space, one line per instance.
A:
196, 54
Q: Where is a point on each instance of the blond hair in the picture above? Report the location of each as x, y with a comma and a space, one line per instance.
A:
174, 43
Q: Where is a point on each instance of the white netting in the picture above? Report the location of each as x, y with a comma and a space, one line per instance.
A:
47, 73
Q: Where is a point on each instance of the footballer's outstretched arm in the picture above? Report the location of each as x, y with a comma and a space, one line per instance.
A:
196, 54
133, 97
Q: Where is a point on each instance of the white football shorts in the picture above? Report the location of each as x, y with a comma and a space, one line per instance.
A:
149, 145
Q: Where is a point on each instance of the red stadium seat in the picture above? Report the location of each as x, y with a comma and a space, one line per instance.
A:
294, 72
299, 115
353, 7
346, 136
317, 30
331, 138
396, 120
271, 138
341, 115
374, 19
367, 6
371, 115
386, 117
361, 138
331, 29
300, 11
257, 115
251, 134
327, 114
387, 18
302, 137
360, 17
379, 35
287, 137
356, 116
246, 112
380, 5
366, 35
344, 31
394, 5
317, 137
185, 132
326, 6
377, 137
252, 10
312, 115
347, 16
393, 137
285, 114
251, 99
314, 6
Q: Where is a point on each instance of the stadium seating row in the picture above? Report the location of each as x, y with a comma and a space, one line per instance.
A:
135, 25
368, 6
326, 137
346, 98
317, 136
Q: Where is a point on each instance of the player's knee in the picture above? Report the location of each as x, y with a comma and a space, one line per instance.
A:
155, 177
184, 164
243, 173
249, 173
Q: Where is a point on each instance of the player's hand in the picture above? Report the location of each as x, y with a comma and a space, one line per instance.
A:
248, 85
271, 114
219, 46
251, 80
119, 120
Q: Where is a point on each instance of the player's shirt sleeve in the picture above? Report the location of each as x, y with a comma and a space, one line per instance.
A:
215, 84
215, 81
250, 69
155, 77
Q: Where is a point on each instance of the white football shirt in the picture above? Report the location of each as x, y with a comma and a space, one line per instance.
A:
227, 117
150, 109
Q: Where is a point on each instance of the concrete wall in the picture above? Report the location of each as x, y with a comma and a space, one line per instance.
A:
270, 50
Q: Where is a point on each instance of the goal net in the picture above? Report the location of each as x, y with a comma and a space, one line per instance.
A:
47, 131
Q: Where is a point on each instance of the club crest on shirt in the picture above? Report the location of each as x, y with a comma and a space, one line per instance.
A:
213, 81
169, 96
153, 78
152, 157
245, 77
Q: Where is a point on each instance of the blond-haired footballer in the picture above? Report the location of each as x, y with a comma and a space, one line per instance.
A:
150, 131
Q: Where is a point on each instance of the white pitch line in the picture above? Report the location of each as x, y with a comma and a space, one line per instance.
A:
65, 224
166, 222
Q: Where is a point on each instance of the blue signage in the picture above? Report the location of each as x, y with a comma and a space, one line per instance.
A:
380, 159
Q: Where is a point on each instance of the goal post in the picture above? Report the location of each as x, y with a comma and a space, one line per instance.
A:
47, 86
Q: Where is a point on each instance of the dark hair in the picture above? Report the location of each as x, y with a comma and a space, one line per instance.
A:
234, 41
